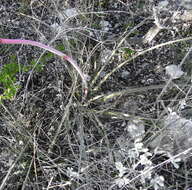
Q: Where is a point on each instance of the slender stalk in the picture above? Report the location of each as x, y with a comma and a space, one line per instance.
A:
52, 50
139, 54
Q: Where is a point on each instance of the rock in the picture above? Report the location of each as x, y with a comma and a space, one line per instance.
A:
174, 71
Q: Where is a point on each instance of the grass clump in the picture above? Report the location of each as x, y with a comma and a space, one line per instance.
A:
104, 141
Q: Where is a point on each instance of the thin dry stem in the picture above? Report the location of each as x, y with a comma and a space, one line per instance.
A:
137, 55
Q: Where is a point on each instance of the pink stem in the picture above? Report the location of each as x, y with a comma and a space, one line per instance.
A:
50, 49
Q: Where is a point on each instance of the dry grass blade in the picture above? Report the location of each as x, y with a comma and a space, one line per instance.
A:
137, 55
4, 182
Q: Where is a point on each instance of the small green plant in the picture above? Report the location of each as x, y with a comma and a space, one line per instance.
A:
127, 53
9, 71
8, 80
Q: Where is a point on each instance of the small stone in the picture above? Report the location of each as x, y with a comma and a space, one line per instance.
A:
174, 71
105, 25
125, 74
71, 12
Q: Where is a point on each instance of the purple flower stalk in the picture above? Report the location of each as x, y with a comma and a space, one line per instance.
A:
52, 50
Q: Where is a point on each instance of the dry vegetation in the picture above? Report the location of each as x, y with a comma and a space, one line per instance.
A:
133, 130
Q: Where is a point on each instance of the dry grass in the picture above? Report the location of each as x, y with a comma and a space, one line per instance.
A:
53, 139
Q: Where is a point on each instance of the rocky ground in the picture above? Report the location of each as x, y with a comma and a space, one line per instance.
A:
132, 131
